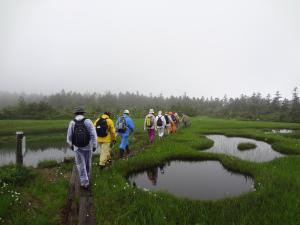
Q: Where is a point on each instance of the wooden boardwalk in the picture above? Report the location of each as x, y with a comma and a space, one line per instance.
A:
79, 208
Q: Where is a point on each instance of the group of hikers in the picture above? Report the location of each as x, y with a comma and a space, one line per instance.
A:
83, 136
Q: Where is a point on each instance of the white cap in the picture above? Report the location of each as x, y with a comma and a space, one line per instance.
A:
151, 111
126, 111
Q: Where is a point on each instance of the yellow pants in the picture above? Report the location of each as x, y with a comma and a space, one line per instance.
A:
104, 153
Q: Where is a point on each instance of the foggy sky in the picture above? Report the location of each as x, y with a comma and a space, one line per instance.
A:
203, 48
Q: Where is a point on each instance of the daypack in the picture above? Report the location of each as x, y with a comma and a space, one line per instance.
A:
102, 128
167, 119
122, 125
81, 136
149, 121
159, 122
174, 118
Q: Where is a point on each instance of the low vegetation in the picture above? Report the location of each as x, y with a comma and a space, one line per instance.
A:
33, 196
123, 204
246, 146
42, 192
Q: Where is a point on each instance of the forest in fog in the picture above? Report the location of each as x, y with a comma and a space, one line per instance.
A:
60, 105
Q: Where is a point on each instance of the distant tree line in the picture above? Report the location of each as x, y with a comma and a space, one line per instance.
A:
60, 105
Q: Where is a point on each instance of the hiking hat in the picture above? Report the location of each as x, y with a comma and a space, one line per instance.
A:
159, 112
151, 111
107, 113
126, 111
79, 109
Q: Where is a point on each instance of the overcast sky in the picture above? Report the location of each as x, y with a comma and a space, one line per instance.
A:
201, 47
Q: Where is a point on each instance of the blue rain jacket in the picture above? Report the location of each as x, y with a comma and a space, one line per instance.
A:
129, 125
129, 130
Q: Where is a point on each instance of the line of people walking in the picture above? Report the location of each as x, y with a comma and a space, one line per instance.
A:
83, 136
163, 124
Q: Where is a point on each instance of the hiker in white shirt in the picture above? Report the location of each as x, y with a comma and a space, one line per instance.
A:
160, 124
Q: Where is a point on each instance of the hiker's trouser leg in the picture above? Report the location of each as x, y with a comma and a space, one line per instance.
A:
151, 135
104, 153
83, 164
124, 141
173, 128
167, 130
160, 132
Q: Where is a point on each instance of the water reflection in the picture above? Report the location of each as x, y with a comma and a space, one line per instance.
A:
152, 175
228, 145
196, 180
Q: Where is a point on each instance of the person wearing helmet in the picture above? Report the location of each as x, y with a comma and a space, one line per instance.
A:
124, 127
149, 125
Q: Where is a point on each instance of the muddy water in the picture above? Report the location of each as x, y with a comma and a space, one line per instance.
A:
228, 145
202, 180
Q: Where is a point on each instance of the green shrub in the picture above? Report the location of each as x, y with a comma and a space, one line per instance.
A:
15, 175
246, 146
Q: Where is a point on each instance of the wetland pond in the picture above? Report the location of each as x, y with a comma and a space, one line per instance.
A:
33, 156
200, 180
228, 145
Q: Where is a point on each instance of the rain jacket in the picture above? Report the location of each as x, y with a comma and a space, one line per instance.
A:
129, 125
111, 130
162, 119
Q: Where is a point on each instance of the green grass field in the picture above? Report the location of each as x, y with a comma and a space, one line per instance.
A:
275, 201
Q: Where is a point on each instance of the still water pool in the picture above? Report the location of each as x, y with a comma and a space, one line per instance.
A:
201, 180
228, 145
33, 156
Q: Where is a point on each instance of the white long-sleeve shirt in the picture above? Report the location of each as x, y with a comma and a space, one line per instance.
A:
162, 119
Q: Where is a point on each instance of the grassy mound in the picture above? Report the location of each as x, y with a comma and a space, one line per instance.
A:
246, 146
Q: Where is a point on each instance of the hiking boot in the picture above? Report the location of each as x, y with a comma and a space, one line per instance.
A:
85, 187
101, 167
121, 153
128, 153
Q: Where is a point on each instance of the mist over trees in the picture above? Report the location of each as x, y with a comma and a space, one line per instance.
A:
60, 105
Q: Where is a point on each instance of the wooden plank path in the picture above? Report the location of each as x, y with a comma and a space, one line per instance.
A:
79, 208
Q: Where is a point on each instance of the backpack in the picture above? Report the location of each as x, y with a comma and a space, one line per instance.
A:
159, 122
174, 118
149, 121
81, 136
102, 128
167, 119
122, 125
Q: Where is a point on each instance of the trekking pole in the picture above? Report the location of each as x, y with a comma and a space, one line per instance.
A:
19, 154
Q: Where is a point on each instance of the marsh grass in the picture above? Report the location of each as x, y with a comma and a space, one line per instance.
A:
275, 201
33, 196
246, 146
124, 204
